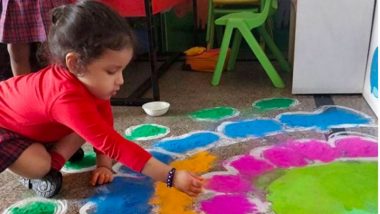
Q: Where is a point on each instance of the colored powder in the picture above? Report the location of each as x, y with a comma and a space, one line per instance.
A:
191, 142
356, 147
162, 157
199, 163
171, 200
314, 150
354, 211
284, 157
231, 204
124, 195
127, 171
274, 103
35, 208
252, 128
251, 167
217, 113
88, 160
229, 184
146, 130
339, 188
329, 118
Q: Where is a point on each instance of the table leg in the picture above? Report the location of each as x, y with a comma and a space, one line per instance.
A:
135, 98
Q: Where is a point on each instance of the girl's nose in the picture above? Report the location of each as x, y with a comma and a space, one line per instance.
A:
120, 78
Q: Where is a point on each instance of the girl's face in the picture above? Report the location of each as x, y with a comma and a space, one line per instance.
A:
104, 76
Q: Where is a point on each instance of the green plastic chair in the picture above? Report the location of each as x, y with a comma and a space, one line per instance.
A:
243, 23
217, 8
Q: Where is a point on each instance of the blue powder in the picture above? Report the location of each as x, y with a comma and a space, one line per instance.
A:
124, 195
162, 157
127, 195
191, 142
126, 170
251, 128
331, 117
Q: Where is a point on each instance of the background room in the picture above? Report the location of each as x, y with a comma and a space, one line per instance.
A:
274, 102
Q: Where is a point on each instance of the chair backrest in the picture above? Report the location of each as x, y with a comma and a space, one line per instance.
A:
265, 8
224, 7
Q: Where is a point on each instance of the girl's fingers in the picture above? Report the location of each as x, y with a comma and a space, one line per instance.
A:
192, 194
196, 190
197, 183
196, 176
94, 179
108, 179
101, 179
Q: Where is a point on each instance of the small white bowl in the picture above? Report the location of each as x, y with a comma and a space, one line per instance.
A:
156, 108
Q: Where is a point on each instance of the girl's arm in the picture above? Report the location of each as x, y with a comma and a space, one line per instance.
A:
83, 117
186, 182
103, 161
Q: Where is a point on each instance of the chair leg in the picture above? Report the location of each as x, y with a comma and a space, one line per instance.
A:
263, 59
274, 49
234, 51
210, 25
222, 55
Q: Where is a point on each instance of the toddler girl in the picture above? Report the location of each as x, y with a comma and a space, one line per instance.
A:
46, 116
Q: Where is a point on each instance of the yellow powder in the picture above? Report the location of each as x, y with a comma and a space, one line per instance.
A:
170, 200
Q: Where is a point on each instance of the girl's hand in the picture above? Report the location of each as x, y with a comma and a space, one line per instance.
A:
188, 183
101, 175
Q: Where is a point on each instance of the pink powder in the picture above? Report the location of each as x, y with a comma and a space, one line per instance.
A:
231, 204
284, 157
314, 150
251, 167
356, 147
229, 184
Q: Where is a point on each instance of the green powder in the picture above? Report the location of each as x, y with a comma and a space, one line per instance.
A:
36, 207
339, 188
146, 130
217, 113
274, 103
88, 160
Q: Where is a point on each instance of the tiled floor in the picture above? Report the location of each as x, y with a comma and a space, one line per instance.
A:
190, 91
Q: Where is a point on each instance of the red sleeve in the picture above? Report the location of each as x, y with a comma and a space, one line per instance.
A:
82, 116
105, 110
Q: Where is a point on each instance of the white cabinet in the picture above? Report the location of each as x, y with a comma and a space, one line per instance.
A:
331, 41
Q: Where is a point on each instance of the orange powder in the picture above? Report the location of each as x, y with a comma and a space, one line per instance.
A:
170, 200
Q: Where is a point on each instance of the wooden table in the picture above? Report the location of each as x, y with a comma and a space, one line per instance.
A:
147, 8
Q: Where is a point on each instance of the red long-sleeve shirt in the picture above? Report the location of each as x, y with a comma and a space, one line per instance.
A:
52, 103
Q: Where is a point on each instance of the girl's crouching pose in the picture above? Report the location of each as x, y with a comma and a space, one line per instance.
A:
46, 116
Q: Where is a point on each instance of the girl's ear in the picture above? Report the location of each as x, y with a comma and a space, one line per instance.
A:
72, 62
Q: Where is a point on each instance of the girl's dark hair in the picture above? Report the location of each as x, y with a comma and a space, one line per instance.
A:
87, 28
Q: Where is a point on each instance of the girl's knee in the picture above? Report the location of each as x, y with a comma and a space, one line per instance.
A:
78, 139
42, 163
34, 162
